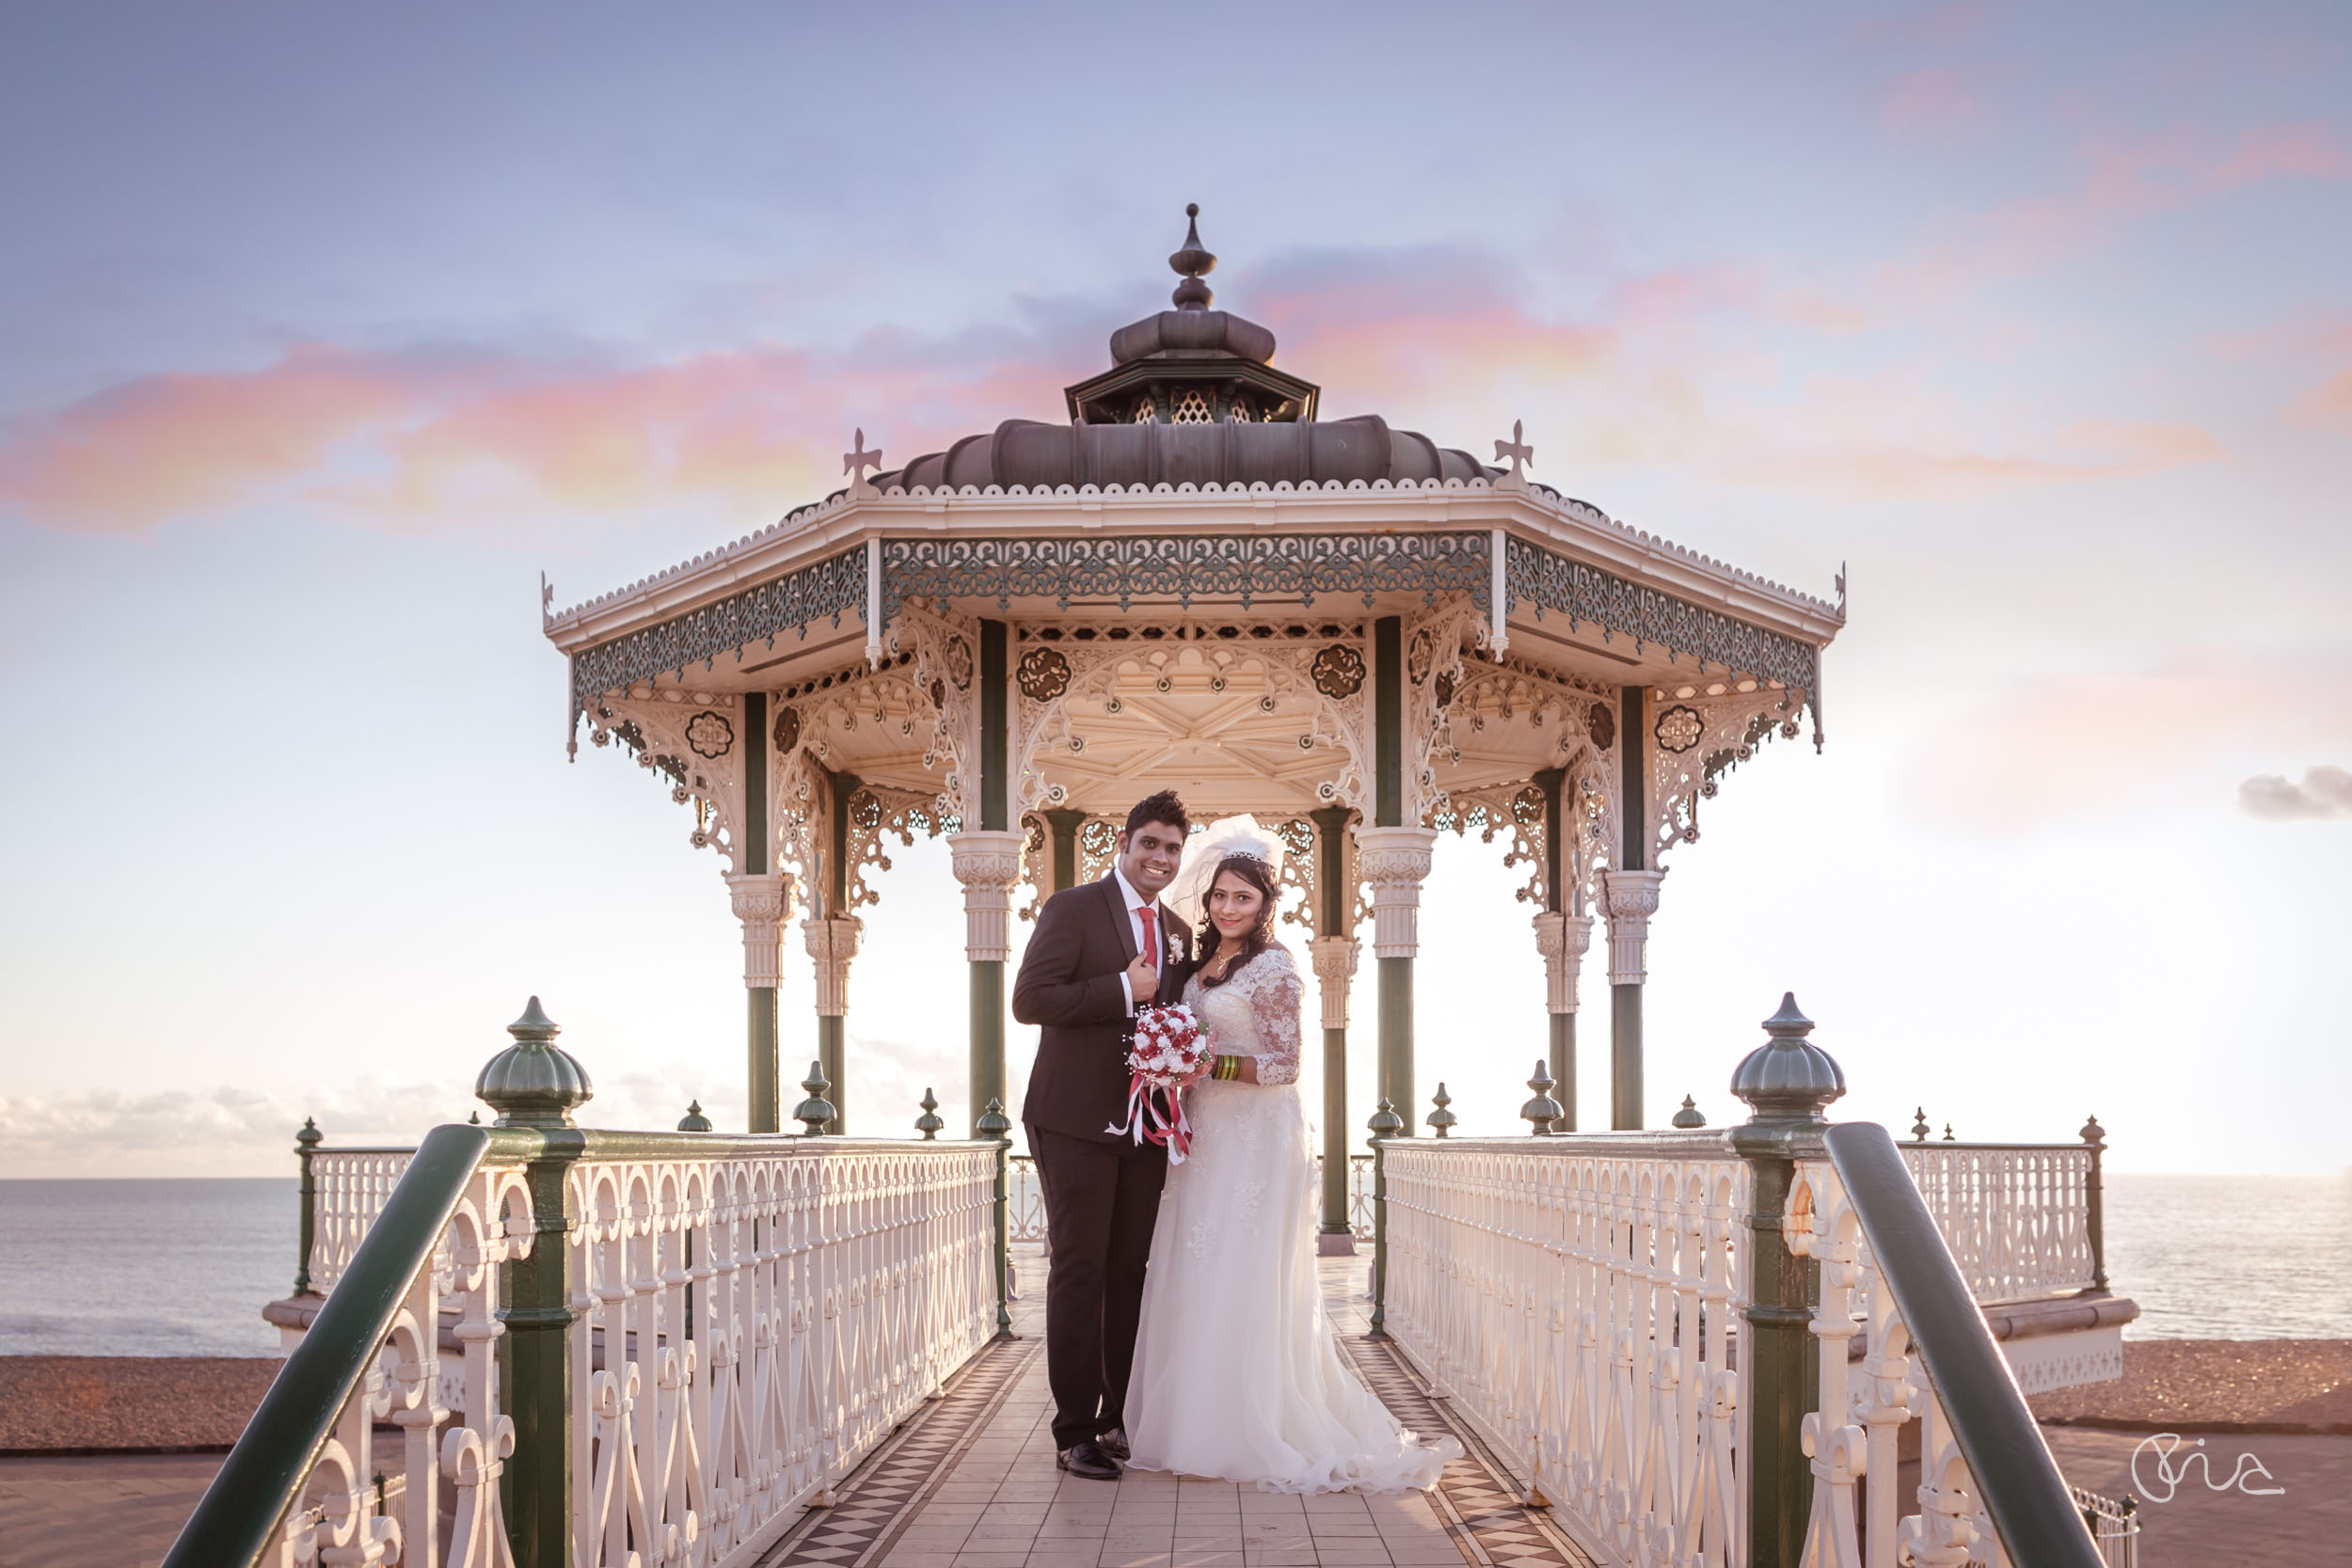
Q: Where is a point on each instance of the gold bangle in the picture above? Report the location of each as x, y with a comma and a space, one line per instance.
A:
1227, 1069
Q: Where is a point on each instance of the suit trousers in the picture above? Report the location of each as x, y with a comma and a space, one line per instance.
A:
1101, 1200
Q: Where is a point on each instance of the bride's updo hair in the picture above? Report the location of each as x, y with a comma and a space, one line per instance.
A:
1250, 869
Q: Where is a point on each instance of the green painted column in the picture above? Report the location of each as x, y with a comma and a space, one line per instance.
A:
1385, 861
986, 1067
1625, 993
1334, 954
1561, 1022
833, 950
1062, 827
763, 1077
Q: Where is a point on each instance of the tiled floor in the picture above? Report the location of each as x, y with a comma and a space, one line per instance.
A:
996, 1500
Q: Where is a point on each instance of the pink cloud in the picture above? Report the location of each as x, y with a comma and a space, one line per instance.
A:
2100, 741
402, 438
1941, 99
1674, 367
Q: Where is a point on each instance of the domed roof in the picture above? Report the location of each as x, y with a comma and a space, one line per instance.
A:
1191, 396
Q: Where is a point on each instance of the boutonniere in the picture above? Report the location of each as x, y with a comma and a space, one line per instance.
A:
1175, 948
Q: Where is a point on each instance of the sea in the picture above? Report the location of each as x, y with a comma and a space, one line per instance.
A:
183, 1267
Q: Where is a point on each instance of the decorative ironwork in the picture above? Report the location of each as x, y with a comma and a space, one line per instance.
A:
1246, 567
1623, 608
709, 736
1098, 845
787, 729
792, 602
1602, 724
1044, 674
1515, 808
1299, 868
1677, 729
876, 814
1339, 671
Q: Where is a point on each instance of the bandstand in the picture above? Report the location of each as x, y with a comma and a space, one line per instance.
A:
535, 1344
1337, 626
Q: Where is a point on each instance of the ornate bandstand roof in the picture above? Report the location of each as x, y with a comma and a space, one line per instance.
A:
1192, 567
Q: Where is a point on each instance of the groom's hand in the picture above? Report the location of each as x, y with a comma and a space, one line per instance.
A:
1143, 981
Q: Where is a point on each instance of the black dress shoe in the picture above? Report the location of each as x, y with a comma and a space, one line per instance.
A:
1089, 1460
1114, 1443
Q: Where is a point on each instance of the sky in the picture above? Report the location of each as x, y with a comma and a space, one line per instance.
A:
324, 332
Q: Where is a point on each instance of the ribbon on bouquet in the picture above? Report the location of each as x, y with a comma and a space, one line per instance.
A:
1155, 1115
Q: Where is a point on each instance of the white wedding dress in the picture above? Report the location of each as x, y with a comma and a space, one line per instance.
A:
1236, 1375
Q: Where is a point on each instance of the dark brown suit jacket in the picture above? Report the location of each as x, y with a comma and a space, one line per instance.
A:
1069, 986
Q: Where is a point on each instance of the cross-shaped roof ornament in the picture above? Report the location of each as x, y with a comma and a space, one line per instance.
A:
857, 462
1518, 450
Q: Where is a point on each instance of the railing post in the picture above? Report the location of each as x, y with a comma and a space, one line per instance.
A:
2094, 1204
306, 1144
1385, 1123
1787, 1082
994, 1124
535, 1083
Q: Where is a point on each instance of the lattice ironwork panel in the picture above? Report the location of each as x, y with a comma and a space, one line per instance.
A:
1623, 608
792, 603
1246, 567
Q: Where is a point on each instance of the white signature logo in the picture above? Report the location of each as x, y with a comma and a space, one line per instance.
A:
2171, 1471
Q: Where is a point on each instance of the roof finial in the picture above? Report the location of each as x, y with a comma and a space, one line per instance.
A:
1191, 263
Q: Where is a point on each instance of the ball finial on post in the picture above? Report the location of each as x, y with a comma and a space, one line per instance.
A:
694, 1122
1919, 1127
1442, 1118
1385, 1122
928, 1123
1788, 1081
1688, 1116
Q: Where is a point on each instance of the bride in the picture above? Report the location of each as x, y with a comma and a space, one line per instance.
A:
1236, 1375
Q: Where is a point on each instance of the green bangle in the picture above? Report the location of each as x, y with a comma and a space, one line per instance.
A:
1227, 1069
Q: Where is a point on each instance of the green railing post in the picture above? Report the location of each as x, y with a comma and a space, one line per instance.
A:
2094, 1204
1385, 1123
1789, 1083
535, 1083
306, 1143
995, 1124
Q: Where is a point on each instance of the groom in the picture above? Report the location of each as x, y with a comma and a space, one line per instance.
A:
1100, 952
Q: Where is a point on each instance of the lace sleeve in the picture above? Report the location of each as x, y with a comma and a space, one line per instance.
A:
1275, 999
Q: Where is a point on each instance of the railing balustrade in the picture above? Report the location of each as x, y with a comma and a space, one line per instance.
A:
670, 1341
352, 1186
2015, 1215
1987, 1490
1575, 1296
1028, 1206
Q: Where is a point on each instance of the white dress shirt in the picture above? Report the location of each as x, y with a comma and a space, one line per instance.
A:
1135, 927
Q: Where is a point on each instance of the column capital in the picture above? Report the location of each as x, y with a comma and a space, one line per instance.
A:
1630, 898
763, 901
832, 942
987, 861
1563, 939
1393, 863
1334, 960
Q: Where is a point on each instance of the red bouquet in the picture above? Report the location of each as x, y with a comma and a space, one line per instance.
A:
1169, 1046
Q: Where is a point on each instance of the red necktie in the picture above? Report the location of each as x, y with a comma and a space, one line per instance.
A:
1150, 937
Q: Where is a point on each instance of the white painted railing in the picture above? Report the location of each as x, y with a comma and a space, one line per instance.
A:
353, 1184
439, 1502
2015, 1215
749, 1317
1860, 1517
1027, 1206
1575, 1296
835, 1286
